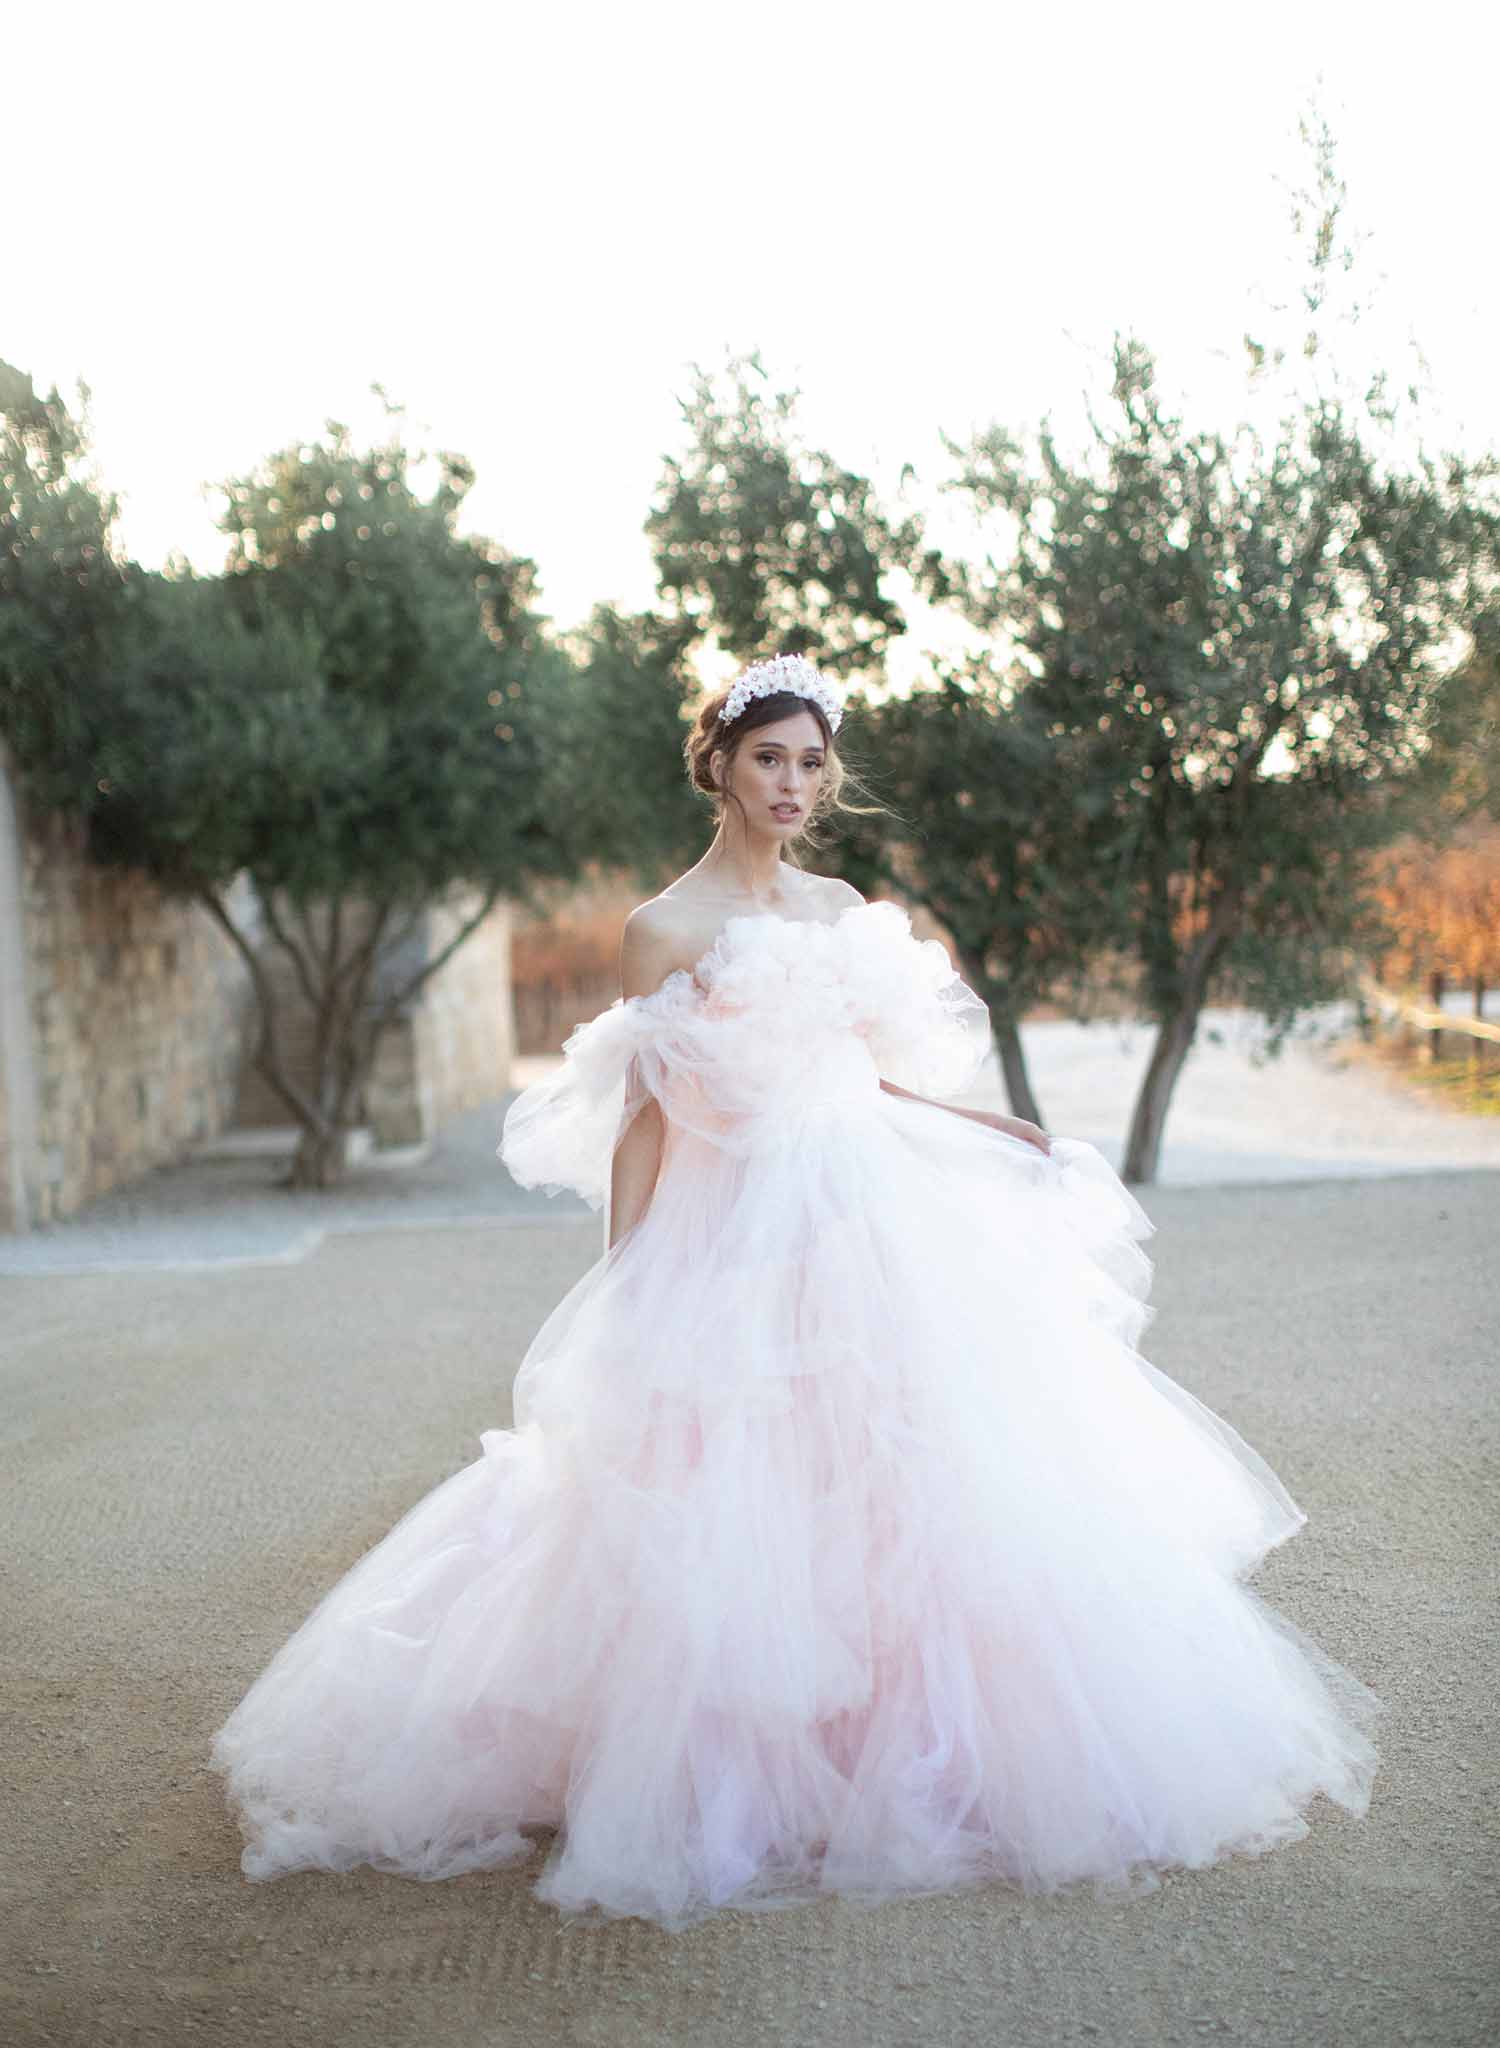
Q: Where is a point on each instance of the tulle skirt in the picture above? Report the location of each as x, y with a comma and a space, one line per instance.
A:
845, 1542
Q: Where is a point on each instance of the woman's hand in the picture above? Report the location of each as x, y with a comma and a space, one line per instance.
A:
1013, 1126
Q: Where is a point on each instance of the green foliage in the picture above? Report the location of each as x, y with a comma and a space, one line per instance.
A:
1465, 763
772, 546
61, 591
1217, 668
204, 741
347, 709
994, 835
358, 717
1245, 651
616, 790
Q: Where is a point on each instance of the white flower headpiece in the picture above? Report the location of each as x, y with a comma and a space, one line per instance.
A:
792, 672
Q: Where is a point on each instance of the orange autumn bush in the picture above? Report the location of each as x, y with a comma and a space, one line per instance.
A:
1442, 907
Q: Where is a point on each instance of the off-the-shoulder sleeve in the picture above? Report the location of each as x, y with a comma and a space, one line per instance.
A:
926, 1028
561, 1132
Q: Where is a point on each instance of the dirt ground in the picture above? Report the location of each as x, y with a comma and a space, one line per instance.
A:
190, 1457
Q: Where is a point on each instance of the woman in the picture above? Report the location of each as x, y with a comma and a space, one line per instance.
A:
844, 1542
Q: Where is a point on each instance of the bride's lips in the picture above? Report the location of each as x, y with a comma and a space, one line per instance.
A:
786, 810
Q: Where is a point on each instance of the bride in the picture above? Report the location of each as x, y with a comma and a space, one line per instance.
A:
844, 1541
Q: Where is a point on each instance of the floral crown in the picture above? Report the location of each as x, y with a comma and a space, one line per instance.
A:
792, 672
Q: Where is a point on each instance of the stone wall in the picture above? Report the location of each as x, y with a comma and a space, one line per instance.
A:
122, 1019
453, 1048
127, 1021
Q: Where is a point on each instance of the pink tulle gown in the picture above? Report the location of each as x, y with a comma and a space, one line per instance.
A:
844, 1541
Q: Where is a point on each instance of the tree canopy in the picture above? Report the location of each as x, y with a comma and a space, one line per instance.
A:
1248, 646
62, 594
1210, 670
771, 545
1215, 668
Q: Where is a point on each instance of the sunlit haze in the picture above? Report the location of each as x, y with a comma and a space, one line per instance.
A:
231, 222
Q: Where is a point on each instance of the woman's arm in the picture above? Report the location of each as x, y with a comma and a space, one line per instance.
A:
637, 1161
1015, 1126
648, 953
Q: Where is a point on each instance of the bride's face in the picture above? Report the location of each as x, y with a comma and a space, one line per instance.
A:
776, 774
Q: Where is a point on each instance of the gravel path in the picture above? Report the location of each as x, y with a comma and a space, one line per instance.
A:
190, 1457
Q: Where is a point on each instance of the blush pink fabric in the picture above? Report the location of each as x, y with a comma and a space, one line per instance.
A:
844, 1542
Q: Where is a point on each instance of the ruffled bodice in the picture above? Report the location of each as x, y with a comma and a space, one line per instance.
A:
779, 1025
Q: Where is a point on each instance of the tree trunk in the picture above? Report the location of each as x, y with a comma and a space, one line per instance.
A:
1148, 1122
1435, 988
320, 1159
1006, 1027
336, 985
1177, 1027
1018, 1089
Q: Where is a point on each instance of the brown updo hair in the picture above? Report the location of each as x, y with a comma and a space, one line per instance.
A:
708, 735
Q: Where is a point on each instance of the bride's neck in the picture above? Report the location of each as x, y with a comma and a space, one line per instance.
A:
744, 865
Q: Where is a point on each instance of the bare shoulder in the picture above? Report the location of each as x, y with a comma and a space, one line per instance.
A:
668, 933
840, 895
658, 938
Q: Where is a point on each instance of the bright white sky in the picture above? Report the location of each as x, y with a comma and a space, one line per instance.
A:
232, 220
